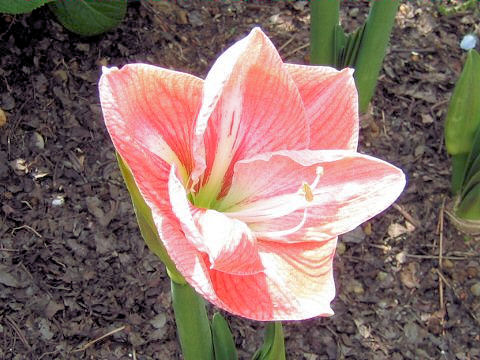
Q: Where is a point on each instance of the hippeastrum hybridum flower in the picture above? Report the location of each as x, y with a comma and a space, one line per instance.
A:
251, 174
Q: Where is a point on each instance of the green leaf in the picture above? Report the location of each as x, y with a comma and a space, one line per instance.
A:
352, 47
273, 347
324, 17
369, 59
463, 116
472, 182
193, 327
340, 40
469, 207
89, 17
473, 170
472, 164
20, 6
223, 344
459, 162
145, 222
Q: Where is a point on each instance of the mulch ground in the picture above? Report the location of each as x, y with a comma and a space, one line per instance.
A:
73, 266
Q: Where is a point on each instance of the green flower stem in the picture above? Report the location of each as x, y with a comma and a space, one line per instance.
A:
324, 15
372, 49
459, 162
193, 327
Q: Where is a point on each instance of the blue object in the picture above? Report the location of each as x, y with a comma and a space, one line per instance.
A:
469, 42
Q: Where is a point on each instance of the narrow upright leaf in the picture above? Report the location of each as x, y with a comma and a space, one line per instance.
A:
223, 344
469, 207
273, 347
463, 116
324, 16
372, 51
193, 327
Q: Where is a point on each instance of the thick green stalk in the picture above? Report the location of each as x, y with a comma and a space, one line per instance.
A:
193, 327
372, 49
324, 17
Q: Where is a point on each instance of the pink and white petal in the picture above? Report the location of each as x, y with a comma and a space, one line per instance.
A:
331, 105
151, 108
154, 188
229, 243
351, 190
297, 283
250, 105
273, 180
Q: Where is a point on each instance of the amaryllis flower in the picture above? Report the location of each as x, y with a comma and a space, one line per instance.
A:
251, 174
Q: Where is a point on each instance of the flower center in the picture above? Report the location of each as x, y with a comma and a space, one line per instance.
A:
307, 190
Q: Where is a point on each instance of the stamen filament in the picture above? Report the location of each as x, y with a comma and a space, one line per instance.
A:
307, 191
287, 232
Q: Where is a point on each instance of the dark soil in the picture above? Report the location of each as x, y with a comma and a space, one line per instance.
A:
73, 266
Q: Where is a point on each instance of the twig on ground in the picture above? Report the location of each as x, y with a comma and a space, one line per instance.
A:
441, 278
444, 279
455, 258
8, 249
28, 228
90, 343
440, 234
296, 50
407, 216
284, 45
19, 333
426, 50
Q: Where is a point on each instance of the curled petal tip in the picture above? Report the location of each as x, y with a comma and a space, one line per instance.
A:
108, 70
257, 29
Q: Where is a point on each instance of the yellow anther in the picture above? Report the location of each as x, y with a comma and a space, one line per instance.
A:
307, 191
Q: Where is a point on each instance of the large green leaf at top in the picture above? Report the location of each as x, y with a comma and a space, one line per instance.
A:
463, 116
145, 222
20, 6
89, 17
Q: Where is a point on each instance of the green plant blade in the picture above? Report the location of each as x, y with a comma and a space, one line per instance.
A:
89, 17
469, 185
459, 162
472, 164
469, 206
372, 50
324, 15
340, 43
352, 47
145, 222
463, 116
193, 327
472, 170
273, 347
223, 344
20, 6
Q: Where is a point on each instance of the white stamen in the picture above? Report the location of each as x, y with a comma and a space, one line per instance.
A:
287, 232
